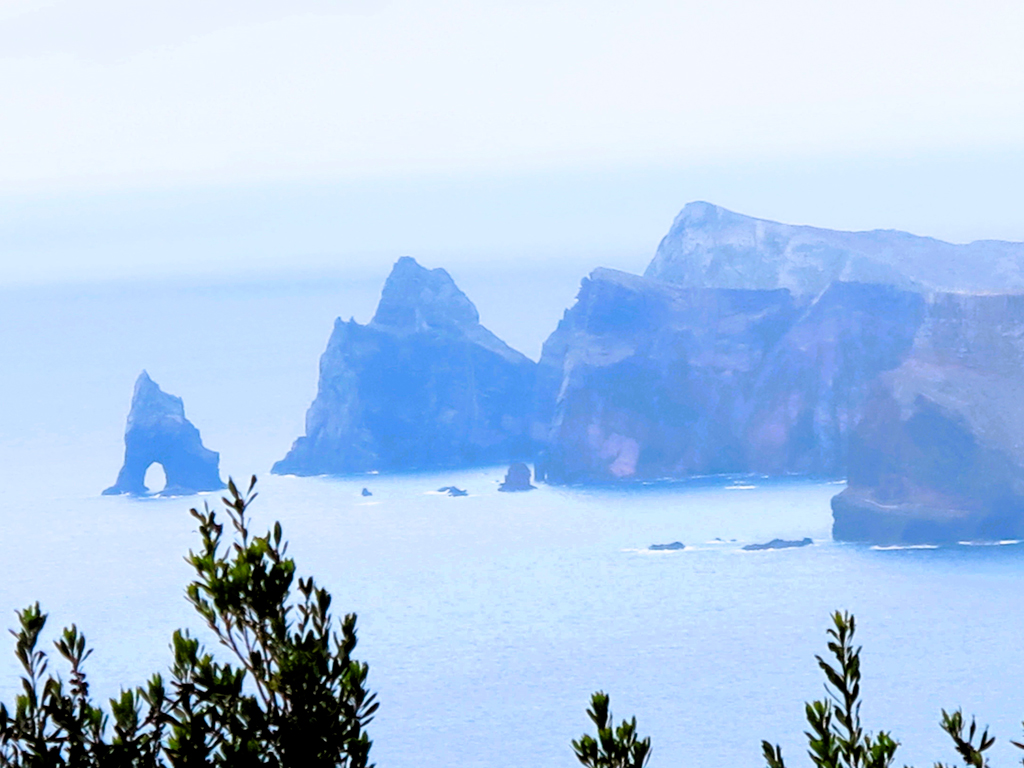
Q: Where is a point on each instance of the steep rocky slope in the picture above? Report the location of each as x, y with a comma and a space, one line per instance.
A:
751, 346
423, 385
646, 379
939, 453
811, 389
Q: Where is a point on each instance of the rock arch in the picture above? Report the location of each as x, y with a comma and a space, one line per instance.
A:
158, 432
155, 478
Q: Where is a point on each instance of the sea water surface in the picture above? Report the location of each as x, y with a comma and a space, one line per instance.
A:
487, 620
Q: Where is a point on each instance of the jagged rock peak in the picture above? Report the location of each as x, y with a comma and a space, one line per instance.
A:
422, 386
158, 432
151, 404
711, 247
420, 300
416, 298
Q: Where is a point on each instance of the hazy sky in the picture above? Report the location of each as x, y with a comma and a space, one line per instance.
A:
143, 136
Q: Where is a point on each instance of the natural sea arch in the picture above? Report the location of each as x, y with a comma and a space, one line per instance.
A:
158, 433
156, 477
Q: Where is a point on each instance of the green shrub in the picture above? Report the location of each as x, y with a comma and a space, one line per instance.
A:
836, 739
291, 696
613, 747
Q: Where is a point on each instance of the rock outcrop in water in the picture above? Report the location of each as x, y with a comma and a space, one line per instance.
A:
422, 386
938, 455
779, 544
711, 247
158, 432
517, 479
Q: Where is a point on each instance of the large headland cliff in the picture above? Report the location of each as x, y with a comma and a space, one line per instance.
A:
747, 346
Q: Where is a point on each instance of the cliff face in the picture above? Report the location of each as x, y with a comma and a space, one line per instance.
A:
158, 432
648, 380
711, 247
810, 392
917, 400
652, 380
422, 386
939, 454
751, 346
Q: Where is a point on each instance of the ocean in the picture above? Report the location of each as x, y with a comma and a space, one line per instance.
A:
487, 620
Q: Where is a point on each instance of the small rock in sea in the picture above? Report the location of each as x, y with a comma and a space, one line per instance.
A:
778, 544
366, 492
517, 478
451, 490
674, 545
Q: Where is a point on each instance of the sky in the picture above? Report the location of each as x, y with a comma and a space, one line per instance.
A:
160, 137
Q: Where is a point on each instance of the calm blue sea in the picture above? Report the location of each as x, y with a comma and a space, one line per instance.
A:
487, 620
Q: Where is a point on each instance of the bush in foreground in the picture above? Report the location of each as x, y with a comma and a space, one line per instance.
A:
613, 747
291, 696
836, 739
835, 736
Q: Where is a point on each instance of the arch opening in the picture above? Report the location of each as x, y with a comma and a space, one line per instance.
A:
156, 478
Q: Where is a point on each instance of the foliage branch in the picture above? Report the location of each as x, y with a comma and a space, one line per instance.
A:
292, 695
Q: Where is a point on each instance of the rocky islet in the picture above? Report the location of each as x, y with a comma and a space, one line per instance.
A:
158, 432
422, 386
